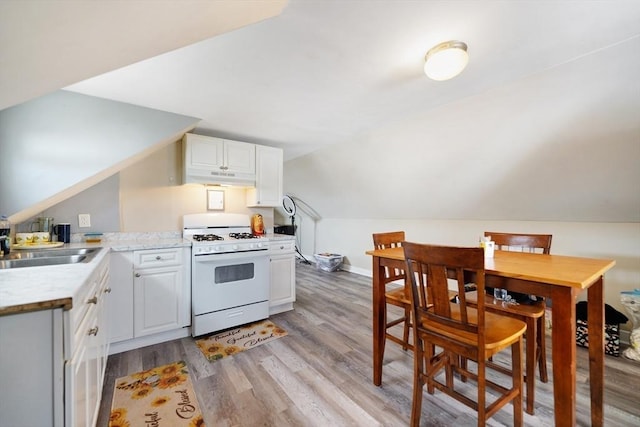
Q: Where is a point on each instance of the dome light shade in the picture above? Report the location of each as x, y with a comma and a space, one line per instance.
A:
446, 60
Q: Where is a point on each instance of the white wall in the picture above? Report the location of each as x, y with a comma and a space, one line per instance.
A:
145, 197
352, 238
562, 145
556, 152
57, 145
153, 198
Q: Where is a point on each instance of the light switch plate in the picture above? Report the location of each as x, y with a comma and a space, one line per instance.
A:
84, 220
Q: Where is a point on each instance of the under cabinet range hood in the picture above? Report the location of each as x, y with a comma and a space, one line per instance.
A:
216, 161
213, 177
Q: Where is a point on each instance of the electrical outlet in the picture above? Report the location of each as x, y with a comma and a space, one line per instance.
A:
84, 220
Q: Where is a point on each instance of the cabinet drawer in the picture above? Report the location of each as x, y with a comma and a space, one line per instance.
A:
87, 297
281, 247
157, 258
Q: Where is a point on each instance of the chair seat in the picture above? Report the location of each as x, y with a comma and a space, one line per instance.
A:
397, 295
533, 310
532, 314
500, 331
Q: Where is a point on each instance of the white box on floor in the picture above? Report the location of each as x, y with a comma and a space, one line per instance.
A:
328, 262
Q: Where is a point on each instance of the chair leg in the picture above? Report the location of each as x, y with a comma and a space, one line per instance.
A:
418, 372
482, 392
542, 349
518, 381
531, 337
428, 358
407, 321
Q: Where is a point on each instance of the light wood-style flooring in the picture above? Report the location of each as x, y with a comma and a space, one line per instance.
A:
320, 374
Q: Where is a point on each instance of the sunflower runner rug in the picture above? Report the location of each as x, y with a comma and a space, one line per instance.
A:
239, 339
161, 396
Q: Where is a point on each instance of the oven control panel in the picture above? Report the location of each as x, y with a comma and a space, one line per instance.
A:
228, 247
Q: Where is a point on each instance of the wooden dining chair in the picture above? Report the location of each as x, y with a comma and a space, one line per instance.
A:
532, 312
398, 294
457, 331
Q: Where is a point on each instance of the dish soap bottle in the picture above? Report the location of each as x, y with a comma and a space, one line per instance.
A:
5, 239
257, 225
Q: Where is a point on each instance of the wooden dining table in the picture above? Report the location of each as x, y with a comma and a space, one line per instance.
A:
558, 277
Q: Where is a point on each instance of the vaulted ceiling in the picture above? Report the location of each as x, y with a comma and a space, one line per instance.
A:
309, 75
319, 73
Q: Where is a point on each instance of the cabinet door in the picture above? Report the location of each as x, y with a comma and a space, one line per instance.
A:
240, 157
283, 289
77, 394
94, 361
120, 308
82, 374
268, 190
99, 342
203, 152
158, 298
32, 368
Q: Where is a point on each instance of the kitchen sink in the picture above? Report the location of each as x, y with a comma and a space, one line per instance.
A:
38, 258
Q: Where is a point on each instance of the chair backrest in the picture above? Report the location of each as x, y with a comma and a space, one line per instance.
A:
429, 269
390, 239
538, 243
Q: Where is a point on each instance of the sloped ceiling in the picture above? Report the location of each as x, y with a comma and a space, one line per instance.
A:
559, 145
59, 144
324, 72
331, 78
46, 45
56, 143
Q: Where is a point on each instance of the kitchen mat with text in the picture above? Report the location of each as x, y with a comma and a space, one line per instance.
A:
162, 396
236, 340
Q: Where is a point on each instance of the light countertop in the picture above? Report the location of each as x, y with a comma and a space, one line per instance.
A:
46, 287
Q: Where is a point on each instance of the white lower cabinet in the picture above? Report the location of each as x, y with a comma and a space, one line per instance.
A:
151, 296
87, 345
52, 362
121, 307
32, 369
157, 294
283, 276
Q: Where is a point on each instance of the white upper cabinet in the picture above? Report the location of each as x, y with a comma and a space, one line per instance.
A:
210, 160
268, 189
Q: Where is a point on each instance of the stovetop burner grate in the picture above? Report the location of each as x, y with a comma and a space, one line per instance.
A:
206, 237
243, 236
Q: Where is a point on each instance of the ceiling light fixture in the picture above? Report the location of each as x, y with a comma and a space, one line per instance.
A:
446, 60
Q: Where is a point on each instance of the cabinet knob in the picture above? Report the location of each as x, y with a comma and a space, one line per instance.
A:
93, 300
137, 274
107, 290
158, 257
93, 331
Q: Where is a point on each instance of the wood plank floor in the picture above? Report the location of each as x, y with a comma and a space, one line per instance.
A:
321, 375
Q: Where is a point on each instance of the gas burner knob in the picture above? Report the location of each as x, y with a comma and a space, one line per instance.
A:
234, 247
258, 245
217, 248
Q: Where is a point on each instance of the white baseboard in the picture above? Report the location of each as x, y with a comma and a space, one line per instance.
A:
356, 270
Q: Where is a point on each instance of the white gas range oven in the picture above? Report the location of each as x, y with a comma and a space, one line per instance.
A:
229, 272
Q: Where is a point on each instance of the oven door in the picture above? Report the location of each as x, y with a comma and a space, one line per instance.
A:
223, 281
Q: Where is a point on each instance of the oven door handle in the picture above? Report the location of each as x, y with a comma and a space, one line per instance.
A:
230, 256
